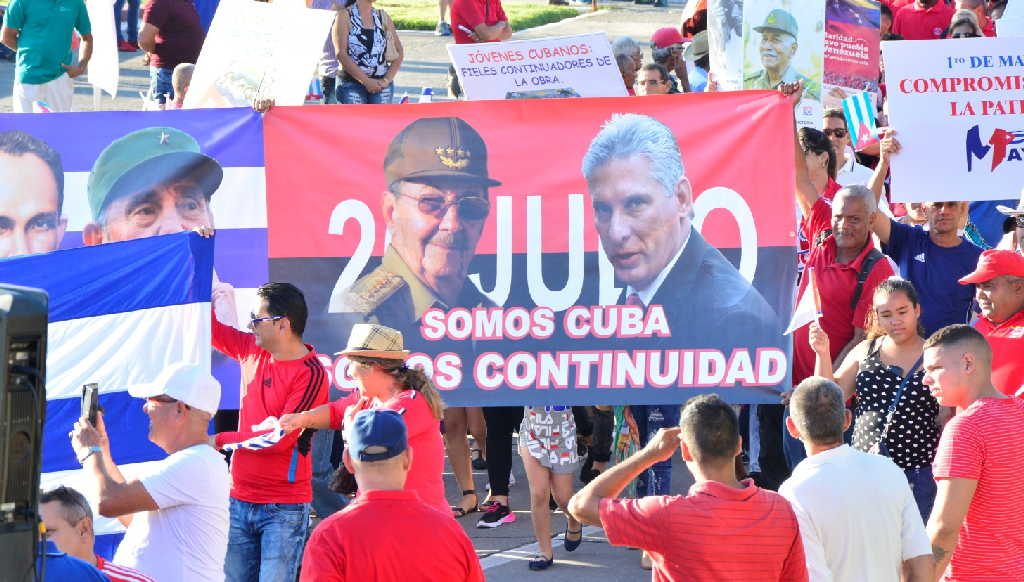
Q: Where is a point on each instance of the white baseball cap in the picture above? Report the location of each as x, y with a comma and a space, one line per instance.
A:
186, 382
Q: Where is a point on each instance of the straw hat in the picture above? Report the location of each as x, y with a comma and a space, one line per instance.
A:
372, 340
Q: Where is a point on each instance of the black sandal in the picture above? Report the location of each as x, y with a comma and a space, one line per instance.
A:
477, 460
571, 545
541, 563
459, 511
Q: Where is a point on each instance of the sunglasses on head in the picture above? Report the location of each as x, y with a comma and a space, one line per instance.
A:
965, 35
838, 132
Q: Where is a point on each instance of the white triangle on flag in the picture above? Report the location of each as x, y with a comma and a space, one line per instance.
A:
807, 308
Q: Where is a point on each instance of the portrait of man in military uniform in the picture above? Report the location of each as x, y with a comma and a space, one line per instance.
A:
777, 48
435, 206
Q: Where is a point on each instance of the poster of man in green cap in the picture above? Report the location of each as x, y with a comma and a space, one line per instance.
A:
150, 182
784, 43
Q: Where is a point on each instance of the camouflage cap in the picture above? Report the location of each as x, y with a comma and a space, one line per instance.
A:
780, 20
438, 147
145, 158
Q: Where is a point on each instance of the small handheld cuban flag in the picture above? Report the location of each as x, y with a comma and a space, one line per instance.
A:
860, 119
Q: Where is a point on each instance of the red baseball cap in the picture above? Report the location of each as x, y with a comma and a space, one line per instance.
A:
995, 263
666, 37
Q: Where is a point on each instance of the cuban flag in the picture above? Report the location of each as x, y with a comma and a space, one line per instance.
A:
119, 314
860, 119
232, 137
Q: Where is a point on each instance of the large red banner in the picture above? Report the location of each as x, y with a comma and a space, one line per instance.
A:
472, 228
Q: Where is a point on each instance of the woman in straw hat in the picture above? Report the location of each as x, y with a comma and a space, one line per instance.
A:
377, 359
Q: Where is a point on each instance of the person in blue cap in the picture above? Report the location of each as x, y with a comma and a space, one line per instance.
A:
387, 533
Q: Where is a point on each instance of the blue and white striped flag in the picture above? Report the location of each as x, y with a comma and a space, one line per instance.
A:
119, 314
860, 119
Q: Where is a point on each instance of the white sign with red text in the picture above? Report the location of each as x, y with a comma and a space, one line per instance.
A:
958, 109
568, 66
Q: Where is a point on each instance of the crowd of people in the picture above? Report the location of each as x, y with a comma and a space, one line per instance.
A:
892, 456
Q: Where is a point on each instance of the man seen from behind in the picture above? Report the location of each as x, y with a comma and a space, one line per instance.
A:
858, 518
697, 536
387, 534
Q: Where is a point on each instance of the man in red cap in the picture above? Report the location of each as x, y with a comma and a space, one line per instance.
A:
999, 281
667, 50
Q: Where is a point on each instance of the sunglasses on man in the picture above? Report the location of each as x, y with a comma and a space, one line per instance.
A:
468, 207
965, 35
838, 133
254, 321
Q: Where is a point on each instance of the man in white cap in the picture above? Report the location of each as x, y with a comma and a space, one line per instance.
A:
176, 510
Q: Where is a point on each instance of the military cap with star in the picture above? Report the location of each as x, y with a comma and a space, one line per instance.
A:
779, 20
438, 147
147, 158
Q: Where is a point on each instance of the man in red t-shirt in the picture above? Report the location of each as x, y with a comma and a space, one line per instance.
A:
476, 21
975, 526
999, 291
724, 529
836, 263
388, 534
922, 20
271, 482
68, 520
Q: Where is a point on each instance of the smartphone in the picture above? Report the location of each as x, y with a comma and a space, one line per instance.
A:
90, 402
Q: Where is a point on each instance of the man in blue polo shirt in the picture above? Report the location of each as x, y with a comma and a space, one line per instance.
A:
933, 258
40, 32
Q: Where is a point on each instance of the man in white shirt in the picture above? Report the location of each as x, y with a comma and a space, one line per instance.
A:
857, 515
848, 171
176, 510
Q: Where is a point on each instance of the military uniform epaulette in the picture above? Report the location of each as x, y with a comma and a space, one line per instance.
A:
370, 291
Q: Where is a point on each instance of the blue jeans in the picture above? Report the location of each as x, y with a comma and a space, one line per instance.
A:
133, 19
922, 484
265, 541
352, 92
160, 89
325, 501
657, 480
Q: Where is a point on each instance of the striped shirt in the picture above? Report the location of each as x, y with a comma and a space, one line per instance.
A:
280, 473
716, 533
984, 443
120, 573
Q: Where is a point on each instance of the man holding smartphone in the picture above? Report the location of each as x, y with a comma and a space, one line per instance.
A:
176, 509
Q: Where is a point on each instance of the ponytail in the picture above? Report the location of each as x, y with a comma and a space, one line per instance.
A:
409, 378
416, 379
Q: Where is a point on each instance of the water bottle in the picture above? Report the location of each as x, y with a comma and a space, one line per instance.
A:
427, 95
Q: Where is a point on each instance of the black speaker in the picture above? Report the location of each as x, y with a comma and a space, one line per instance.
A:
23, 322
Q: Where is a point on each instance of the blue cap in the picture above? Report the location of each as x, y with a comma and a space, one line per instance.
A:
376, 435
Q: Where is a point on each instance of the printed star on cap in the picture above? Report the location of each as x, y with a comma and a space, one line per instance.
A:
164, 137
